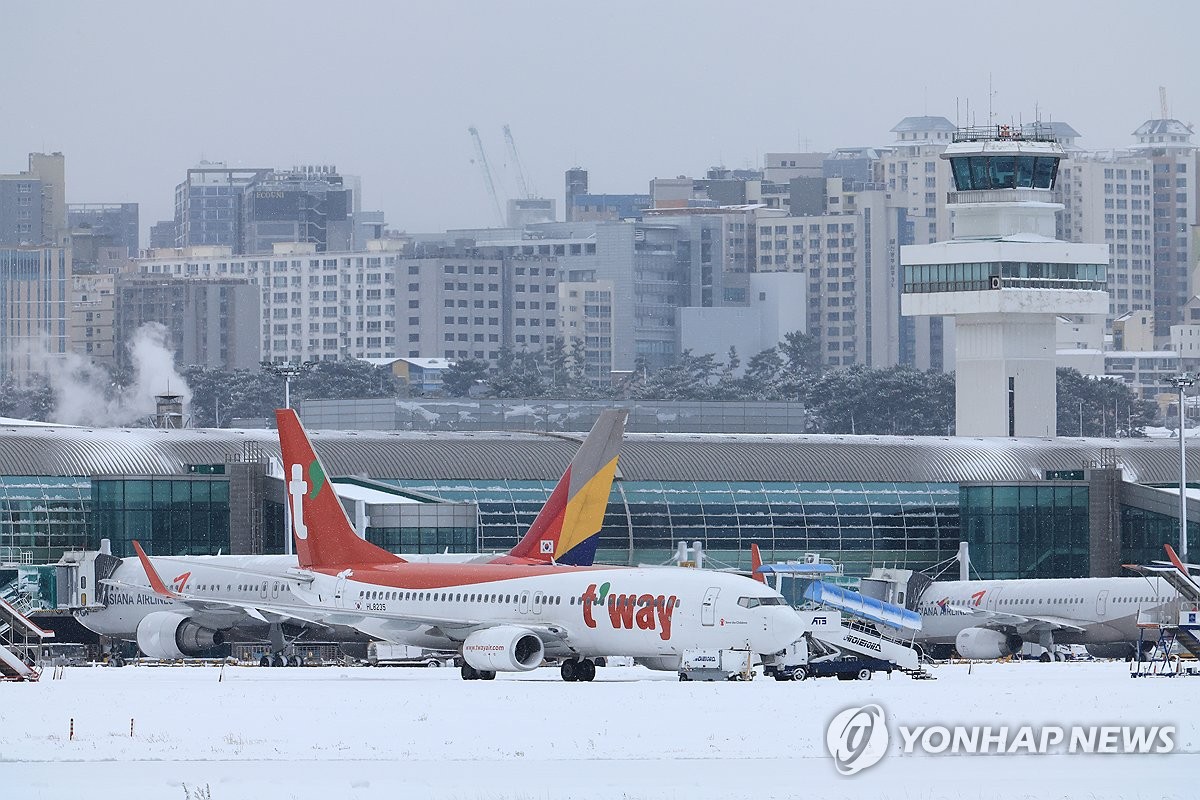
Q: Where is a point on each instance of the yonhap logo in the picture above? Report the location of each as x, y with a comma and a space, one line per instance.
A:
857, 738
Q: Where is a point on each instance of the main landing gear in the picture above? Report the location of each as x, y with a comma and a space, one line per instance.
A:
469, 673
578, 670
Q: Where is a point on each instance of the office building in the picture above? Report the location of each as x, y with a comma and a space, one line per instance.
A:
308, 204
116, 223
211, 322
208, 205
33, 209
35, 295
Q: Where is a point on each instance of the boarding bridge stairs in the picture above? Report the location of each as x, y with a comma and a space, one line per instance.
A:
20, 645
856, 637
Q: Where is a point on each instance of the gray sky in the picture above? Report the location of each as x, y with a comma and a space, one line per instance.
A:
136, 92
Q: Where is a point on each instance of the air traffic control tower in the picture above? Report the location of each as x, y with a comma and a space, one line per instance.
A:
1004, 279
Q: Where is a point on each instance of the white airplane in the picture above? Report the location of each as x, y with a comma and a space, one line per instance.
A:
565, 531
500, 617
993, 619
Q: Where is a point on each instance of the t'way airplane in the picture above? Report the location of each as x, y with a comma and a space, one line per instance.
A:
565, 531
502, 617
993, 619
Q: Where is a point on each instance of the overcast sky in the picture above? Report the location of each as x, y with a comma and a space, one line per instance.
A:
136, 92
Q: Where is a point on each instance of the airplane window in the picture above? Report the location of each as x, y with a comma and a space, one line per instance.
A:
508, 598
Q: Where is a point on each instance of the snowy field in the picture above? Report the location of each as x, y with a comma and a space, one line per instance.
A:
423, 733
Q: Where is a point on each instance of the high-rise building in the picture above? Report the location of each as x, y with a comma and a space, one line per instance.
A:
35, 292
576, 180
848, 253
208, 205
1106, 198
32, 206
313, 306
212, 322
918, 181
1005, 279
162, 235
306, 204
93, 310
1168, 145
116, 222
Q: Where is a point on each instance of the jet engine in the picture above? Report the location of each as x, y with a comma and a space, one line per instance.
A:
504, 648
661, 663
168, 634
984, 643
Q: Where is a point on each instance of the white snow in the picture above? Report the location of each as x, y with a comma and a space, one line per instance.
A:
413, 732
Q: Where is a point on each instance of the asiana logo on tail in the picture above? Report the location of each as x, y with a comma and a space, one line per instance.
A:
645, 612
297, 488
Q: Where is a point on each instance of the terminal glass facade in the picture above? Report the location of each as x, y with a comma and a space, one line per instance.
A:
169, 516
1026, 530
41, 517
914, 525
1143, 534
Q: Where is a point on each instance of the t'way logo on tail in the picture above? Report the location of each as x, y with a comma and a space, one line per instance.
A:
646, 612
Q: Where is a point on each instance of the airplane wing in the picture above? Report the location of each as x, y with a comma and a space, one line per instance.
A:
552, 636
1021, 623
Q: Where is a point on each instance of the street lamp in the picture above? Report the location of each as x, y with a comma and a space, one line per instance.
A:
1181, 382
287, 370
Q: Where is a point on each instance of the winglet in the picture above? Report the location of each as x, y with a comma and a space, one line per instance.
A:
156, 583
756, 564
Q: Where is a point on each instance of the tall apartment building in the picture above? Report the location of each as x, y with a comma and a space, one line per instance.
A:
212, 322
93, 313
115, 222
1168, 145
585, 320
35, 292
33, 210
849, 254
918, 181
1107, 198
313, 306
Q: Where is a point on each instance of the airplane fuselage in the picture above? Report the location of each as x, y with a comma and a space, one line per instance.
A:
1106, 609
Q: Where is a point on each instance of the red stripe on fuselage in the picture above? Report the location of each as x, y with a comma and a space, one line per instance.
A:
446, 576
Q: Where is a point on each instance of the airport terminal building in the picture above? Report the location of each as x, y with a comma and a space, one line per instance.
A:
1028, 507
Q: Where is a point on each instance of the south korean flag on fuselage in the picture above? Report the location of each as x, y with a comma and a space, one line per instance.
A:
547, 547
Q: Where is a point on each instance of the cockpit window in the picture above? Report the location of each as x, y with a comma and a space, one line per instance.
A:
755, 602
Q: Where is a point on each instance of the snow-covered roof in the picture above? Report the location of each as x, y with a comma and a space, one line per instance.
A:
1155, 127
348, 490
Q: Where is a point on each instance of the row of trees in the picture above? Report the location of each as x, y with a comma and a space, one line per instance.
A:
896, 400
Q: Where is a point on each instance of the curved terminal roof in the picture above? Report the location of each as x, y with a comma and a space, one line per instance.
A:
531, 456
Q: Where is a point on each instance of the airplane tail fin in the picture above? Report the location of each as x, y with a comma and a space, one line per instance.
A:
567, 529
756, 563
322, 531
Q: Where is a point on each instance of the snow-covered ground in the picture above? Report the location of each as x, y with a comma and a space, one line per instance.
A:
247, 732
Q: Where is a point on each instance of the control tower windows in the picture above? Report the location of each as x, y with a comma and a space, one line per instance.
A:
1004, 172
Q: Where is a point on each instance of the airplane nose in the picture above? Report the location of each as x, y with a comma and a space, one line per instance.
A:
786, 627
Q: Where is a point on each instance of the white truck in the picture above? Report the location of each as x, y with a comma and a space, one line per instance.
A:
715, 665
383, 654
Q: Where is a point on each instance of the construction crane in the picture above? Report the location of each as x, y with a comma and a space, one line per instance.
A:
487, 173
512, 149
1162, 101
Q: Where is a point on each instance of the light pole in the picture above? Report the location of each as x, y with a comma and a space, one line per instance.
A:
1181, 382
287, 370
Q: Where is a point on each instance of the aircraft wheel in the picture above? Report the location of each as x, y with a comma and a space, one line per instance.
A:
569, 670
265, 661
587, 670
469, 673
1045, 657
487, 674
799, 674
864, 674
279, 660
299, 661
684, 677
